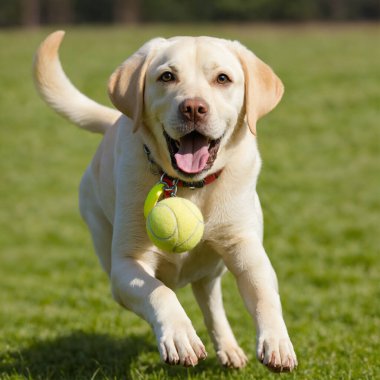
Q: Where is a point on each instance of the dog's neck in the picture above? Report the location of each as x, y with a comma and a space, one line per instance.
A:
156, 169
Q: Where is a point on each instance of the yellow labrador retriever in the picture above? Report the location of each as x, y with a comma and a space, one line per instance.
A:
188, 111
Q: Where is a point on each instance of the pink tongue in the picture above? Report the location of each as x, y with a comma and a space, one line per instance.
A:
193, 153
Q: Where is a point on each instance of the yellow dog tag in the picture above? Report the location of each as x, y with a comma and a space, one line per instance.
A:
153, 197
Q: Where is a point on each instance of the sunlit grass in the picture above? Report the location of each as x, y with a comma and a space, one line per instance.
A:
319, 188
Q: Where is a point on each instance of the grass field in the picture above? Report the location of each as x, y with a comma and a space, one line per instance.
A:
320, 190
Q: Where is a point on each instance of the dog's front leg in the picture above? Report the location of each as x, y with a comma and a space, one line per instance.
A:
257, 284
135, 287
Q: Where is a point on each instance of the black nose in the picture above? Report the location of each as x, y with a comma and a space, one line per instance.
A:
194, 110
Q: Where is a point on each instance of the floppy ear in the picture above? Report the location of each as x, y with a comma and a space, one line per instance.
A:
263, 88
126, 84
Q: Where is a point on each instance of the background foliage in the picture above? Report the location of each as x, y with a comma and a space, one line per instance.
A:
319, 188
15, 12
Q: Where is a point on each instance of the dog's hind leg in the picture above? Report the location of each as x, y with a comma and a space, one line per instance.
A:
99, 226
209, 296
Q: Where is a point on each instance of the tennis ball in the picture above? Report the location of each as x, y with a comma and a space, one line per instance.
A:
175, 225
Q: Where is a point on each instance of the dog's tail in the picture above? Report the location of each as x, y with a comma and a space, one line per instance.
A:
57, 90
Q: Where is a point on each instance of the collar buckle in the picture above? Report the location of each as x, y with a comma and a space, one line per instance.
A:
170, 186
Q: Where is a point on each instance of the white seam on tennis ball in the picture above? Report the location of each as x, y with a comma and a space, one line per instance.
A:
175, 248
175, 228
192, 211
185, 241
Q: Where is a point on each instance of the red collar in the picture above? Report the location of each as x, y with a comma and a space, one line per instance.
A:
173, 183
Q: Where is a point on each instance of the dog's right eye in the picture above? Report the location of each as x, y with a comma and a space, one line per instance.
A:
167, 76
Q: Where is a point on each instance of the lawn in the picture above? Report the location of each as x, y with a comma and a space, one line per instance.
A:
320, 190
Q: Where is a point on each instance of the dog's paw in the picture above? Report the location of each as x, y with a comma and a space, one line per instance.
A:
231, 356
276, 352
181, 346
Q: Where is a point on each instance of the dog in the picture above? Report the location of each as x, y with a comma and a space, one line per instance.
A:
186, 108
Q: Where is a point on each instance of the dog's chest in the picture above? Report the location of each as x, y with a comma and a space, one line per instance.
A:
178, 270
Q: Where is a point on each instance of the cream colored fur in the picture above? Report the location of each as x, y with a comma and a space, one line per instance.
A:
114, 187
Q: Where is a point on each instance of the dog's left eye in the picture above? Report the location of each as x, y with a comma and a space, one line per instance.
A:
167, 76
223, 79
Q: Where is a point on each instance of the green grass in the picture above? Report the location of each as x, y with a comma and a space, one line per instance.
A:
319, 188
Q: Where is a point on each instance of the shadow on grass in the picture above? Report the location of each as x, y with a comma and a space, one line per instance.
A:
93, 356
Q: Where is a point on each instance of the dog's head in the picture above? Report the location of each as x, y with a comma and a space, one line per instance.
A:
188, 95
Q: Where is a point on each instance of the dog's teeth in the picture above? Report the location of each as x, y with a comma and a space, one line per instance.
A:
176, 143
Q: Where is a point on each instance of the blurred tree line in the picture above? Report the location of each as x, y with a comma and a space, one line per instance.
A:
36, 12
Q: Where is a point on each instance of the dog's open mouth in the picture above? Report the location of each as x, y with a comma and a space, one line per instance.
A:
193, 153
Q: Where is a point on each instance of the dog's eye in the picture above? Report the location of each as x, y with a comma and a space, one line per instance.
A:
223, 79
167, 76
